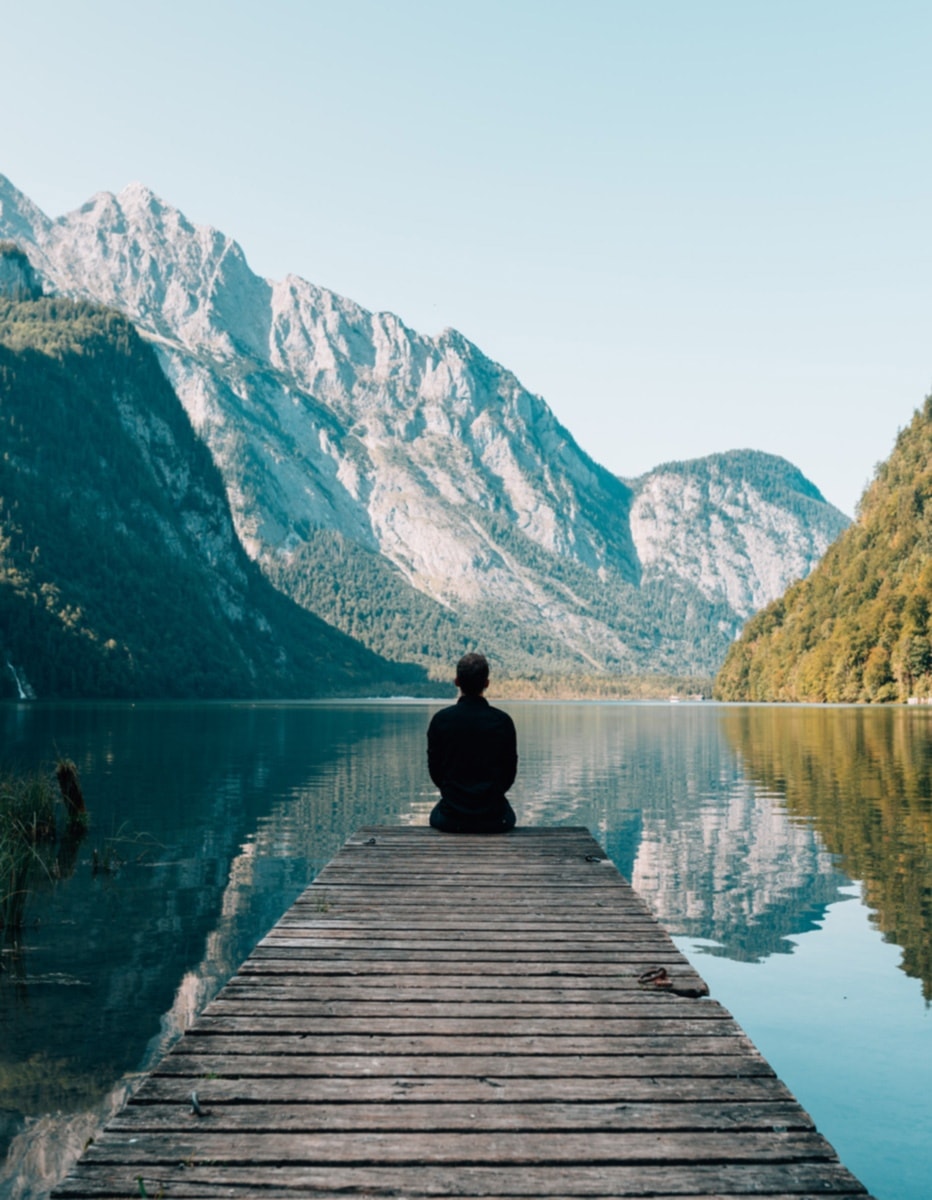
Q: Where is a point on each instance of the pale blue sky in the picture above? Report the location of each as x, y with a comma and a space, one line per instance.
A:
689, 226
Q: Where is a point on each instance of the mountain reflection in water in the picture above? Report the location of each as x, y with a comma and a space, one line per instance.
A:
715, 857
736, 824
863, 778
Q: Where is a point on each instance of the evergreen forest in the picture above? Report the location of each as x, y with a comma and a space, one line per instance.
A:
665, 622
858, 628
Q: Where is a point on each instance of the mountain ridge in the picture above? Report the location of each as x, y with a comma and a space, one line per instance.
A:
327, 420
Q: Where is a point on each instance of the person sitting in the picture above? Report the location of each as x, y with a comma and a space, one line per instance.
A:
472, 757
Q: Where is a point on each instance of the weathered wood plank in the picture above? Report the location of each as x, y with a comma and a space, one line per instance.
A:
491, 1089
541, 1066
384, 1002
455, 989
426, 943
518, 969
220, 1020
526, 1148
454, 949
623, 954
486, 905
560, 1116
180, 1179
286, 1044
307, 930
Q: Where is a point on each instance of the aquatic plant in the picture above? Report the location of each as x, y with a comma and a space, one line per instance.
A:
32, 847
73, 798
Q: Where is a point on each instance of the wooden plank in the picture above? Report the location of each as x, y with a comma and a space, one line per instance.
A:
327, 1182
562, 1116
485, 905
278, 1040
620, 955
526, 1148
181, 1061
506, 934
615, 990
463, 1017
477, 1003
515, 969
572, 948
220, 1020
491, 1089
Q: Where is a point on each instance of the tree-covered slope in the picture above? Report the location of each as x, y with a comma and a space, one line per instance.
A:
665, 626
858, 628
120, 570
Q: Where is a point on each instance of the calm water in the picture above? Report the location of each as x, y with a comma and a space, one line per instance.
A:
789, 850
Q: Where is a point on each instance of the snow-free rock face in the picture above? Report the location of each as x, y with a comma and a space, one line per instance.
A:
326, 419
741, 526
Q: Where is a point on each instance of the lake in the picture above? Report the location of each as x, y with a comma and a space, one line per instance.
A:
787, 849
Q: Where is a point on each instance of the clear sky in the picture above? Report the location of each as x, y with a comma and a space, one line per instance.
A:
691, 225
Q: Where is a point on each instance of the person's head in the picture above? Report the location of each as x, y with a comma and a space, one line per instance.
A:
472, 674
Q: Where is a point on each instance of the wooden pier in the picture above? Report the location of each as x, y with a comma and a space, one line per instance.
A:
463, 1016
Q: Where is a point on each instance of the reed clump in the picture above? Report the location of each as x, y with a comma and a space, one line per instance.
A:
41, 825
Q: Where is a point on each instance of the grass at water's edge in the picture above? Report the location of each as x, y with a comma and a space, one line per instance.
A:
41, 824
543, 687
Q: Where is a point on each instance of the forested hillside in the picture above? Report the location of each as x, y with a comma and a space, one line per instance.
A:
664, 623
858, 628
120, 571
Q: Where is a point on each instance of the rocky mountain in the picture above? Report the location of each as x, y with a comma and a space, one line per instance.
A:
411, 491
859, 628
120, 570
740, 526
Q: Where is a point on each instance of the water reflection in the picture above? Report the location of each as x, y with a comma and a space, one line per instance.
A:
729, 821
863, 778
716, 857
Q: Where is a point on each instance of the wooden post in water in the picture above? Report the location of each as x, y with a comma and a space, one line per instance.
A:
465, 1016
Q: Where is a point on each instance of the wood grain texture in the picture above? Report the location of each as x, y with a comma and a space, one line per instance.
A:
444, 1016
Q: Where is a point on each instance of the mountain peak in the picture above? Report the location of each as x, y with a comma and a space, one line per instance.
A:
19, 217
139, 194
135, 205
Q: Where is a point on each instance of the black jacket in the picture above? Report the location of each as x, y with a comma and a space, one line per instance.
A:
472, 755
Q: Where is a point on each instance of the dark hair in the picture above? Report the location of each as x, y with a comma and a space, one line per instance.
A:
472, 674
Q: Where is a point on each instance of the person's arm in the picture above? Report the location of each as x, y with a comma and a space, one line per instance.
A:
510, 757
433, 754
